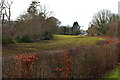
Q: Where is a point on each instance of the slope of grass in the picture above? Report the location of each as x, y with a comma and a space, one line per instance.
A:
113, 74
59, 42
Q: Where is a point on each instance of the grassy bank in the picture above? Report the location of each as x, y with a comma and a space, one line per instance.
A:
115, 73
59, 42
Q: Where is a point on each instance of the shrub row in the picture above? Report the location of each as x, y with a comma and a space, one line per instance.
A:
80, 62
27, 38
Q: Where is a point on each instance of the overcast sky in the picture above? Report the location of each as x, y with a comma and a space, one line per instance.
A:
68, 11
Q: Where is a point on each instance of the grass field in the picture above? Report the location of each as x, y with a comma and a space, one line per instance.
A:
59, 42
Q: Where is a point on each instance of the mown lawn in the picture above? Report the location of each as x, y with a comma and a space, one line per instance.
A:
59, 42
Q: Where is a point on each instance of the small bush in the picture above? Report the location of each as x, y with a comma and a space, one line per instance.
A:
47, 36
7, 40
35, 37
101, 42
24, 38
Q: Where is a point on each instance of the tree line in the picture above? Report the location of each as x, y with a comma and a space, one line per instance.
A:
36, 24
39, 24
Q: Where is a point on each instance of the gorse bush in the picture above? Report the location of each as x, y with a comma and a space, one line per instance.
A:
7, 40
24, 38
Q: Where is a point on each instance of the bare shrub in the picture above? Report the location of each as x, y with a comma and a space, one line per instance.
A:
80, 62
101, 42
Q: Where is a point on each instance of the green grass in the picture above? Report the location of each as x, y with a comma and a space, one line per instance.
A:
59, 42
114, 73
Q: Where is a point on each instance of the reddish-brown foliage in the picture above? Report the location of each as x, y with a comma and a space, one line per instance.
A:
110, 41
67, 68
24, 64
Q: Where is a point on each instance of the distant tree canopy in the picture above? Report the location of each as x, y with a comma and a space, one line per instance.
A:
71, 30
65, 30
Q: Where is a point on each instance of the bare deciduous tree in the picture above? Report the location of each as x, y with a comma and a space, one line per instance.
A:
5, 15
103, 17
